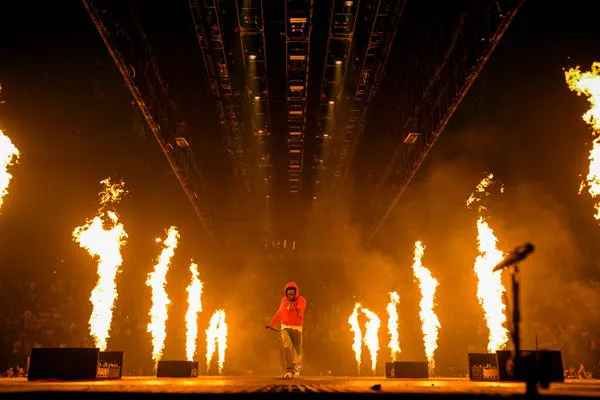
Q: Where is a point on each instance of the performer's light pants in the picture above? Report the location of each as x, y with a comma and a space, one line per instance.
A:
291, 340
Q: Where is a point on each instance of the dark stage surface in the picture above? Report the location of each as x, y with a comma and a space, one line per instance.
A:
231, 385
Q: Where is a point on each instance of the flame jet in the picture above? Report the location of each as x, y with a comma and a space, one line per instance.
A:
9, 155
194, 308
358, 337
103, 236
216, 339
430, 324
392, 311
371, 337
157, 280
489, 287
588, 84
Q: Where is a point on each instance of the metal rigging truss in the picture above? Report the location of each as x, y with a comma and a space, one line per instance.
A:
250, 15
143, 79
337, 59
477, 33
206, 17
382, 33
298, 14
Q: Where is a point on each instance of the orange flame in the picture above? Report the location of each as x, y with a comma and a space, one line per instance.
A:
481, 192
392, 311
371, 337
216, 339
588, 84
160, 300
489, 288
355, 327
194, 308
430, 323
106, 245
9, 155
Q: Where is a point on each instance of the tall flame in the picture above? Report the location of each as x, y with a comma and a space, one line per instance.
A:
103, 237
160, 300
371, 337
429, 320
355, 328
392, 311
588, 84
9, 155
489, 288
194, 307
222, 341
216, 339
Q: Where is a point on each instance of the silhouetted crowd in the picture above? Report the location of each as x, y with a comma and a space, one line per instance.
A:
580, 349
34, 313
48, 311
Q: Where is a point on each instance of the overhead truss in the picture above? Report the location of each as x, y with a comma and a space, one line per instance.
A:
209, 30
477, 33
337, 60
382, 33
139, 69
250, 15
298, 14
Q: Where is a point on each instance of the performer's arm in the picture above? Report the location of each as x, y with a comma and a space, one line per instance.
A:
301, 306
277, 316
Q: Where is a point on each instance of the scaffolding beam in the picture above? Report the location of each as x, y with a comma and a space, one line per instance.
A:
298, 27
382, 33
339, 50
208, 26
465, 56
159, 114
250, 16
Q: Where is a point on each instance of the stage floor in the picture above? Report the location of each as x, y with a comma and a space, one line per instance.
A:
306, 384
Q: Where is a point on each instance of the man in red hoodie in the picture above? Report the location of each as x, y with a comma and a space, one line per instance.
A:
291, 316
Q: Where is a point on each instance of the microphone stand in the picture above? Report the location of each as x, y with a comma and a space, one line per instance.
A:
518, 360
516, 317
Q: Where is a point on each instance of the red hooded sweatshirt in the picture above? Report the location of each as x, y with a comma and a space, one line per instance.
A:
290, 313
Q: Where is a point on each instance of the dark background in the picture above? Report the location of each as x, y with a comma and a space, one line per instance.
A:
68, 111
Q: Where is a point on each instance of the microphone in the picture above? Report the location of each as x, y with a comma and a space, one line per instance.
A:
518, 254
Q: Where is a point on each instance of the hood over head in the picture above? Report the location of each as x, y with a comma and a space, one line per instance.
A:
291, 285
